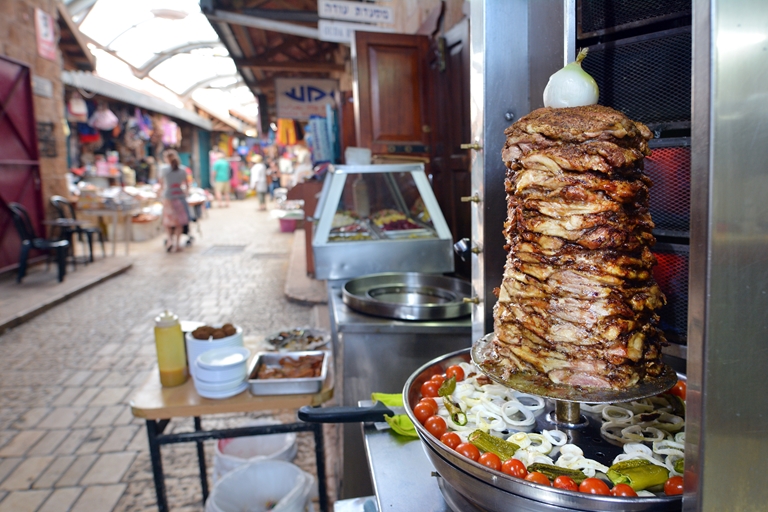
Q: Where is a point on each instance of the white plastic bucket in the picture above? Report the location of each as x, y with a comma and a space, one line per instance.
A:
261, 486
230, 454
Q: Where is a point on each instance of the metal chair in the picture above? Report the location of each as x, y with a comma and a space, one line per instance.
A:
66, 210
29, 240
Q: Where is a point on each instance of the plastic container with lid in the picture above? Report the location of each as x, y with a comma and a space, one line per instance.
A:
171, 354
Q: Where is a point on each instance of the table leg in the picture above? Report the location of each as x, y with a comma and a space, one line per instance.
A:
201, 461
114, 233
127, 231
320, 461
157, 465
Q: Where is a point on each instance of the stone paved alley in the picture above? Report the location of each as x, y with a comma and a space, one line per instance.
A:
68, 440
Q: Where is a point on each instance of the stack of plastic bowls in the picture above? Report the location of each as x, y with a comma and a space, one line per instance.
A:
221, 372
197, 347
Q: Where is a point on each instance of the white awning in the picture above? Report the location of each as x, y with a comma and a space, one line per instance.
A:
92, 83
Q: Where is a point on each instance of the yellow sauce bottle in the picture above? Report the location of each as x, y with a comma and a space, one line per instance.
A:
171, 353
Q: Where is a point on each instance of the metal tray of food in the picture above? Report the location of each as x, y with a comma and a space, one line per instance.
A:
409, 233
298, 339
285, 386
408, 296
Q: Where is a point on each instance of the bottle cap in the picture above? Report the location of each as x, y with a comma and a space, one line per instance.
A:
166, 319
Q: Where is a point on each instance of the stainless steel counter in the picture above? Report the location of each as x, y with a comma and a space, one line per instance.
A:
401, 473
378, 355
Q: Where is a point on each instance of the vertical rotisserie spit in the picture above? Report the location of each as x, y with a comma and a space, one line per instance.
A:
578, 298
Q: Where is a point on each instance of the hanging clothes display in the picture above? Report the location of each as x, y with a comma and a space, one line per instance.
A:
286, 132
322, 148
171, 134
77, 109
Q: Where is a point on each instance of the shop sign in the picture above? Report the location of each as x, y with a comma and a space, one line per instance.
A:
42, 87
46, 35
342, 32
355, 11
299, 98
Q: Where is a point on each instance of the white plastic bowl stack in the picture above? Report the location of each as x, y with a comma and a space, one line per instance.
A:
221, 372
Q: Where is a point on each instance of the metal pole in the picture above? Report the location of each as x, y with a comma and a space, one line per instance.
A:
201, 461
567, 412
157, 466
320, 461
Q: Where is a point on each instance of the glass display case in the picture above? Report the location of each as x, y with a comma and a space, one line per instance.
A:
379, 218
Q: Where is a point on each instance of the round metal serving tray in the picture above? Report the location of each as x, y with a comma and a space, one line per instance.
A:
408, 296
494, 491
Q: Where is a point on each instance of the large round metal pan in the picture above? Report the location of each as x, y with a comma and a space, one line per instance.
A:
494, 491
408, 296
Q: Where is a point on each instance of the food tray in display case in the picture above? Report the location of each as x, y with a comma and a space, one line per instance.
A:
379, 218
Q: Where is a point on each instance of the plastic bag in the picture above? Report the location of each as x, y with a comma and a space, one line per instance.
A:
232, 453
273, 485
103, 119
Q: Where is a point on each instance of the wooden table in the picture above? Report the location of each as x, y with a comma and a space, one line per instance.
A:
157, 405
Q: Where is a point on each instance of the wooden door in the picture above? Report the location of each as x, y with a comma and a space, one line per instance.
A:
19, 164
451, 165
413, 103
392, 110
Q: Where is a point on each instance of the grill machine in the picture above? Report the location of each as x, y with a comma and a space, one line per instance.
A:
712, 264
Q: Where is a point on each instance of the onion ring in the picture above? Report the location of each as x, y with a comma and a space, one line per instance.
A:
521, 439
518, 407
550, 436
539, 402
617, 414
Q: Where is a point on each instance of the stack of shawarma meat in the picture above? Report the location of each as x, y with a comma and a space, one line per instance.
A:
578, 298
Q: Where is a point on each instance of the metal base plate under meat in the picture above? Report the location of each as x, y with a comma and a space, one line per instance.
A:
408, 296
537, 384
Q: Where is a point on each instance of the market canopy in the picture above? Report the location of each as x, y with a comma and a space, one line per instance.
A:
271, 39
168, 49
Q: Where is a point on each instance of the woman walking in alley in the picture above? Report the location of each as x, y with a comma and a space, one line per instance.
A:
173, 180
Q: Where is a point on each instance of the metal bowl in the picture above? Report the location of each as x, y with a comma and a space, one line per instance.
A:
408, 296
494, 491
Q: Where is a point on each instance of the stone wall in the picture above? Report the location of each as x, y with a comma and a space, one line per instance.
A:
18, 41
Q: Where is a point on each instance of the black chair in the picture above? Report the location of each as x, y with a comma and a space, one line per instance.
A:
66, 210
29, 240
